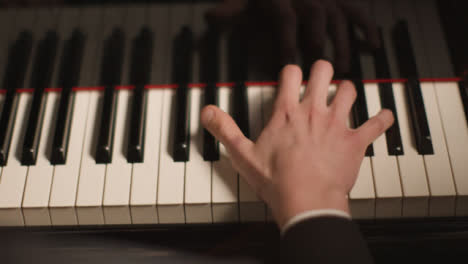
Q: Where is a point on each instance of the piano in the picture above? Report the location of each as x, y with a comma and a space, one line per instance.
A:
100, 123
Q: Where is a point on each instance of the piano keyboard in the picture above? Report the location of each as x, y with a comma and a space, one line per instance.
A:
117, 144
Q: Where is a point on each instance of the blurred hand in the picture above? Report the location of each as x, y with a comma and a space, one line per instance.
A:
313, 19
306, 158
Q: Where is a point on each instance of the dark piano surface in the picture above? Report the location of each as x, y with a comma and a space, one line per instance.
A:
442, 239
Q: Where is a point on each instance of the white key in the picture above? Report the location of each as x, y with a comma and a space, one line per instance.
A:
64, 186
91, 180
413, 177
171, 174
39, 177
448, 98
197, 171
251, 207
362, 195
384, 167
412, 171
65, 182
92, 175
438, 168
438, 171
224, 177
119, 171
456, 136
145, 175
13, 176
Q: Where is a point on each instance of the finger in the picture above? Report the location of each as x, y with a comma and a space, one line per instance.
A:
225, 13
344, 100
316, 92
363, 21
223, 128
375, 127
313, 20
339, 32
288, 88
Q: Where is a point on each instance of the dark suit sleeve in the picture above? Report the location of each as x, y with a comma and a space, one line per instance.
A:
324, 240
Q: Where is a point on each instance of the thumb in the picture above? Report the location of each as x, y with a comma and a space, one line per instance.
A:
223, 128
375, 127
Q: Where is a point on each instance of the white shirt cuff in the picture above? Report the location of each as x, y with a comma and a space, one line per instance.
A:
313, 214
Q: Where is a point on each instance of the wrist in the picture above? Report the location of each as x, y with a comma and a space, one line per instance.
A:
315, 200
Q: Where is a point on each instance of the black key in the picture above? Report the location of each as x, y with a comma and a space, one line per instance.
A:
210, 145
142, 55
394, 144
407, 66
181, 72
241, 107
41, 76
359, 110
210, 75
18, 58
237, 70
463, 86
111, 72
70, 69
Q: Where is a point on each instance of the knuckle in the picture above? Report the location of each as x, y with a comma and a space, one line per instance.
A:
316, 111
336, 120
285, 108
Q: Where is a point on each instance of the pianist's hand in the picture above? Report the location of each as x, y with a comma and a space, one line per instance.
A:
306, 158
310, 20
